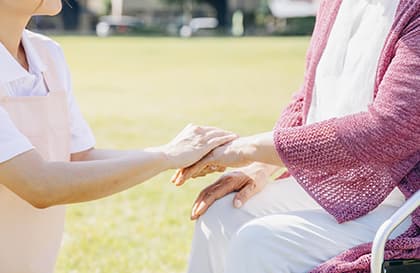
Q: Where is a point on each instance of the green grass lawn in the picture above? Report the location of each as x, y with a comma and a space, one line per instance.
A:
139, 92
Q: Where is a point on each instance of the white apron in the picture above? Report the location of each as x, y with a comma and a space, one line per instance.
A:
30, 238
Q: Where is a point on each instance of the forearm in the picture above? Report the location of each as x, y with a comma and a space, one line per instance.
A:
102, 154
260, 148
45, 184
85, 181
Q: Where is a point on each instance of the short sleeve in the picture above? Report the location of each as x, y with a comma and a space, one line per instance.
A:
81, 134
12, 141
82, 137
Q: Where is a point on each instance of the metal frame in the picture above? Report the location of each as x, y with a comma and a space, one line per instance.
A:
386, 229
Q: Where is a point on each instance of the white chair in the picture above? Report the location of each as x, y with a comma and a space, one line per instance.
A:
386, 229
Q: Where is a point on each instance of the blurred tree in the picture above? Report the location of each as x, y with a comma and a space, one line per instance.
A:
108, 6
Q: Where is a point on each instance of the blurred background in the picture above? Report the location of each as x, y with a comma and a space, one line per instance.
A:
184, 18
142, 70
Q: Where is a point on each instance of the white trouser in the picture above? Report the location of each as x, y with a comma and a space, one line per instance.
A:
280, 230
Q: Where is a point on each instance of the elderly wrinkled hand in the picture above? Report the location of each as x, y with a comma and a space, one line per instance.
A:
246, 181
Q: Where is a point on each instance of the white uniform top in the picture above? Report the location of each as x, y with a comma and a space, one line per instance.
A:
344, 81
16, 81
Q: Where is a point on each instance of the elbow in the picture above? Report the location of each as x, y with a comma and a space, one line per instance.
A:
41, 193
41, 198
41, 203
34, 180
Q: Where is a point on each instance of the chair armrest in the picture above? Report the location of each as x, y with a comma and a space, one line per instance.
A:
386, 229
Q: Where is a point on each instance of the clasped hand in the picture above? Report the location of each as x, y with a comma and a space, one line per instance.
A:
246, 181
231, 154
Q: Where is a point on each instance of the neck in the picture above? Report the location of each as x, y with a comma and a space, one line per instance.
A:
11, 30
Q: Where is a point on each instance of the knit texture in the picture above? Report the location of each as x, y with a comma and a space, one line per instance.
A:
349, 165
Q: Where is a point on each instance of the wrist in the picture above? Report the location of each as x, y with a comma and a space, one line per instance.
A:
250, 149
263, 149
241, 151
161, 156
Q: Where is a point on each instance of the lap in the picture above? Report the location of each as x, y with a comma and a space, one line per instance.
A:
280, 227
300, 240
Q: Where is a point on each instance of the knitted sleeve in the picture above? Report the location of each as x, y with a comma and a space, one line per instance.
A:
292, 115
350, 164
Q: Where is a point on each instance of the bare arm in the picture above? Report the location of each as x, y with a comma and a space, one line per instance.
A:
45, 184
259, 148
101, 154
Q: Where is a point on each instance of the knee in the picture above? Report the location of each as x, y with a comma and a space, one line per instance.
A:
249, 239
247, 249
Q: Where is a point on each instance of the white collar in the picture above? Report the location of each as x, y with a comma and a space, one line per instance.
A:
11, 70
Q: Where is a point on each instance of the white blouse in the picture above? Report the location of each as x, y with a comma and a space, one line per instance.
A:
344, 81
16, 81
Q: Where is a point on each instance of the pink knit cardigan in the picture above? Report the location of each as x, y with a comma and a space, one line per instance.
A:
349, 165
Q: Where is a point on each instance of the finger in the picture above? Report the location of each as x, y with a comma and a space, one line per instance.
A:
211, 128
199, 199
176, 175
218, 141
210, 195
217, 133
209, 199
187, 173
244, 194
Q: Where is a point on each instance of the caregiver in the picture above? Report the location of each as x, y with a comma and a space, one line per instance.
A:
42, 130
350, 138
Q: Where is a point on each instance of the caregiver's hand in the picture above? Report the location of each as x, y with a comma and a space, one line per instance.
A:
228, 155
238, 153
246, 181
193, 143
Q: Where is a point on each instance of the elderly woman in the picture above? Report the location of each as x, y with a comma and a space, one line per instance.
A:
47, 154
350, 140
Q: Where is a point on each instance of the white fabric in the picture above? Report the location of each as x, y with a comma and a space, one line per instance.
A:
42, 54
282, 229
345, 75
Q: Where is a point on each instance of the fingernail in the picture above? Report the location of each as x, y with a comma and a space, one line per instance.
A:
194, 214
200, 207
237, 203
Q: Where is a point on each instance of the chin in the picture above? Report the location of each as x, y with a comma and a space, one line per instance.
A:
50, 8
